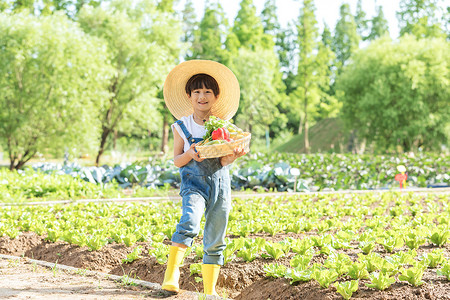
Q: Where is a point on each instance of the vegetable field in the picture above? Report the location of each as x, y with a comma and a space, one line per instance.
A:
388, 245
256, 171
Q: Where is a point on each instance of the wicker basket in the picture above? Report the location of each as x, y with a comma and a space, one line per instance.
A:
227, 148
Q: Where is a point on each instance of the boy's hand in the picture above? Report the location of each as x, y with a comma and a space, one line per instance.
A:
226, 160
194, 154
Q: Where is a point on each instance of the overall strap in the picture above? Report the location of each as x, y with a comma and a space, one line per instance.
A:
186, 132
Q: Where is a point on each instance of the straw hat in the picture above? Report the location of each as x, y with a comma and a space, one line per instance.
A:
177, 100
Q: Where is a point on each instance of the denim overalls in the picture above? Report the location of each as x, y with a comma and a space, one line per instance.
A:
205, 187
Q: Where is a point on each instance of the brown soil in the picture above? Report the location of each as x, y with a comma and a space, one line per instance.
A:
237, 280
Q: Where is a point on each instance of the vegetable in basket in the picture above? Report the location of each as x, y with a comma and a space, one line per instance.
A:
219, 131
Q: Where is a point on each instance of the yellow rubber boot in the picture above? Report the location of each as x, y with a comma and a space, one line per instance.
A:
210, 274
172, 274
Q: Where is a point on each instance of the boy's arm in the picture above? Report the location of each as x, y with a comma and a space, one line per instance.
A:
182, 158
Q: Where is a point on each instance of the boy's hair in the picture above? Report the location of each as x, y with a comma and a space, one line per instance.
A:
198, 81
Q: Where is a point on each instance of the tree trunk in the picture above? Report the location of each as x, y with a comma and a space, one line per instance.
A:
115, 139
165, 134
105, 133
305, 126
300, 126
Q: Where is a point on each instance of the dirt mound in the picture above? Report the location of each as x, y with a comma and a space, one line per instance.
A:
238, 279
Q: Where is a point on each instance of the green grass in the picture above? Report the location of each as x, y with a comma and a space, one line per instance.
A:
327, 135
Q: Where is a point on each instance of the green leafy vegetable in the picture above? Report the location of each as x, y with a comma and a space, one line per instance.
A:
380, 281
347, 288
134, 255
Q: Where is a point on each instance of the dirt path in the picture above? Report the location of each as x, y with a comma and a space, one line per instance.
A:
25, 279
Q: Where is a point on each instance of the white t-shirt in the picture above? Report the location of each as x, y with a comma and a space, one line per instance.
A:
197, 131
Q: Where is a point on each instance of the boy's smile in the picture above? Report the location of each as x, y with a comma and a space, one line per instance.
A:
202, 99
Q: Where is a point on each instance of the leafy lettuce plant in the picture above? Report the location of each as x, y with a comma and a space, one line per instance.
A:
134, 255
195, 269
367, 246
403, 257
412, 275
338, 262
390, 243
358, 271
414, 240
440, 236
325, 277
248, 254
300, 262
95, 242
275, 270
445, 270
160, 252
275, 250
433, 259
380, 281
373, 261
297, 275
302, 246
347, 288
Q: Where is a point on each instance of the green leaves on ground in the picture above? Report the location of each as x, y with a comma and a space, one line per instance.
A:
380, 281
347, 288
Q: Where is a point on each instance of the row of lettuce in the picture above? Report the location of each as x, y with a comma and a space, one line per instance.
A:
262, 172
375, 239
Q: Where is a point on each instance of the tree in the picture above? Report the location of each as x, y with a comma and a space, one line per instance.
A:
420, 18
141, 53
70, 7
52, 84
405, 101
346, 38
361, 21
379, 25
190, 23
248, 28
269, 18
210, 35
255, 71
313, 67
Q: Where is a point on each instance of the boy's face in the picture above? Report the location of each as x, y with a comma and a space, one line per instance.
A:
202, 99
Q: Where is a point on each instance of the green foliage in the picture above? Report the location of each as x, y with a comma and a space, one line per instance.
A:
419, 18
160, 251
380, 281
257, 107
275, 250
300, 262
413, 240
433, 259
346, 38
325, 277
275, 270
51, 87
209, 36
445, 270
296, 275
412, 275
134, 255
195, 269
440, 236
347, 288
410, 85
358, 271
137, 40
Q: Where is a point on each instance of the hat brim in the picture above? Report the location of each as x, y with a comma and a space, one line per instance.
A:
178, 102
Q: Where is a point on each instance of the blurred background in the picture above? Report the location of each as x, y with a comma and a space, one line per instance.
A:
81, 80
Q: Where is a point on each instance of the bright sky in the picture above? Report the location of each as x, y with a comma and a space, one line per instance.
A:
326, 10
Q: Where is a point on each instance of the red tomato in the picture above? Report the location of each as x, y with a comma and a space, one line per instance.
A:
220, 134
